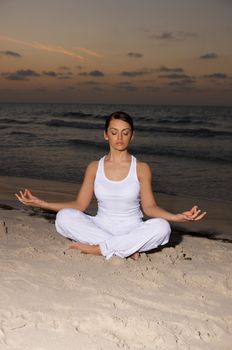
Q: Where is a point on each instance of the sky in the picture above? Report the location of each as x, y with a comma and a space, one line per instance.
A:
116, 51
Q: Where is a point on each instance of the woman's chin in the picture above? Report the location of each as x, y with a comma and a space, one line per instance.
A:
120, 147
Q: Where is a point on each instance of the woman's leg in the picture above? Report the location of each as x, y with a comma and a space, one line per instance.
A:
80, 227
146, 236
86, 248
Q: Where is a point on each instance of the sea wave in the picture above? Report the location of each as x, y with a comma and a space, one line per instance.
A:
14, 121
157, 150
172, 120
23, 133
186, 120
196, 132
73, 124
74, 114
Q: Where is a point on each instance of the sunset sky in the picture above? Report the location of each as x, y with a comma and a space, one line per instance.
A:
116, 51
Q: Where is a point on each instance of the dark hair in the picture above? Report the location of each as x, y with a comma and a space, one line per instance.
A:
119, 115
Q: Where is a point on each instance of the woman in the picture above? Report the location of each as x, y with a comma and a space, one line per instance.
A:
120, 183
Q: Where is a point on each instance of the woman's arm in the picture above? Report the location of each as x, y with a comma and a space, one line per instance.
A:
149, 205
82, 201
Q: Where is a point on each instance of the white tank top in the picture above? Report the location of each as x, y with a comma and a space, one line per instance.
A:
118, 200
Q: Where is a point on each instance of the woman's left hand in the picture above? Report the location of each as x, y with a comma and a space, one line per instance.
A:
193, 214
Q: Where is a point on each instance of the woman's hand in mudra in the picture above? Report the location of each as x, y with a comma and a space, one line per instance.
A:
193, 214
27, 198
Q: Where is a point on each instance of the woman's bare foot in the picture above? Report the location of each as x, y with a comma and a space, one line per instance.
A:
86, 248
135, 256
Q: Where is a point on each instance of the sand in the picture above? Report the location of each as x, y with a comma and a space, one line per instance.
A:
179, 297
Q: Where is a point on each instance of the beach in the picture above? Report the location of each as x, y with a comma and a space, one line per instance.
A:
178, 297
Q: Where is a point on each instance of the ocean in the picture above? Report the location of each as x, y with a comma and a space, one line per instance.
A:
188, 147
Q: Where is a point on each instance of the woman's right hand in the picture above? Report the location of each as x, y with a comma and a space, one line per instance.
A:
27, 198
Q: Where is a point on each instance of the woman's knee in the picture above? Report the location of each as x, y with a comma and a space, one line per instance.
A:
166, 228
162, 226
64, 215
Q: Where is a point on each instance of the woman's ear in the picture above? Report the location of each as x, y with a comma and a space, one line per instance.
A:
106, 136
132, 136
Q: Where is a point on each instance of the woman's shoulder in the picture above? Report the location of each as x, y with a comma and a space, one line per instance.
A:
93, 165
142, 166
143, 170
91, 168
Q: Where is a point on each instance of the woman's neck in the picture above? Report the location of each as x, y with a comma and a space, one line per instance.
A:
118, 156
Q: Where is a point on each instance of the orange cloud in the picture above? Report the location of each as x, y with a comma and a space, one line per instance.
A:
89, 52
40, 46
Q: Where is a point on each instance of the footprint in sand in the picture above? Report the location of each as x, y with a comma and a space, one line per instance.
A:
3, 229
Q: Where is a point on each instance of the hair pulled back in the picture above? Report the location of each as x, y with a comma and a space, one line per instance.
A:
119, 115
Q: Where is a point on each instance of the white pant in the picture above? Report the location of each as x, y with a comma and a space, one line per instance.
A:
121, 238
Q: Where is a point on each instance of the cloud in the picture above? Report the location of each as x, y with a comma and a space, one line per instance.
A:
10, 53
175, 76
28, 73
216, 76
65, 76
137, 73
182, 82
89, 52
135, 55
43, 47
93, 73
209, 56
125, 85
133, 74
64, 68
20, 74
50, 74
166, 69
58, 75
163, 36
96, 73
171, 36
57, 49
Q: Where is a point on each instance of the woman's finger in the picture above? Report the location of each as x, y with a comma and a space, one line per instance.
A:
187, 217
20, 195
200, 216
194, 209
19, 198
196, 213
22, 198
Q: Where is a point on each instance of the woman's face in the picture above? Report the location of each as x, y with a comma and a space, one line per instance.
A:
119, 134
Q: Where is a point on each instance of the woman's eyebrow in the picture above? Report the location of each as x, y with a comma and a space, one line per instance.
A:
119, 130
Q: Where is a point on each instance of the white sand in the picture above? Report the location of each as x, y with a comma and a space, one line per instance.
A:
177, 298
